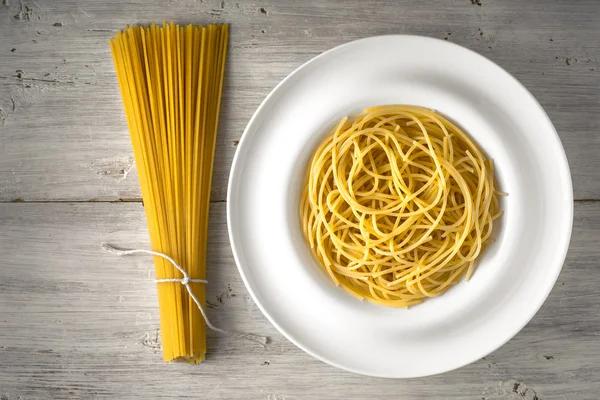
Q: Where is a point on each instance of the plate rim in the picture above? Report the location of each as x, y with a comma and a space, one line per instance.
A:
567, 182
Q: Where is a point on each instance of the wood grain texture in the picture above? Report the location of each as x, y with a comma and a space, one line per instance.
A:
63, 131
80, 323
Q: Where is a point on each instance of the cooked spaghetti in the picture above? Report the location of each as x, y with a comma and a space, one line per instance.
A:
171, 79
398, 204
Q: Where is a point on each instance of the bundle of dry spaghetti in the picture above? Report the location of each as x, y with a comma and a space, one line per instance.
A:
398, 205
171, 79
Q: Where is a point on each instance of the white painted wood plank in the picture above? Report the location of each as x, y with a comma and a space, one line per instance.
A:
78, 323
63, 135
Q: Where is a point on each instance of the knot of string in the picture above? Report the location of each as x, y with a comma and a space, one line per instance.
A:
185, 281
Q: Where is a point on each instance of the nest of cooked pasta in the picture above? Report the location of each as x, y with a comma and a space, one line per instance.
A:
398, 205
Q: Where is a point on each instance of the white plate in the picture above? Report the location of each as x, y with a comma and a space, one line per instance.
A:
516, 273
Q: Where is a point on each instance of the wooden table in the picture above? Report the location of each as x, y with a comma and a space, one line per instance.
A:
78, 323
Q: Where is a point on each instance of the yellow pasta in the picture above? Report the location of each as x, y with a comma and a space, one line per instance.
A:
171, 79
398, 204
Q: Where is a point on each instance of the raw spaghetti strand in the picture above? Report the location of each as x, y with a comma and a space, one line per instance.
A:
398, 204
171, 79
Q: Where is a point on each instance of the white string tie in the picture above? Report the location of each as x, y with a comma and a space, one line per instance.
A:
185, 281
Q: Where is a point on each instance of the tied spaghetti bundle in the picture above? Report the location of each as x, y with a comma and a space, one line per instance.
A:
398, 205
171, 79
